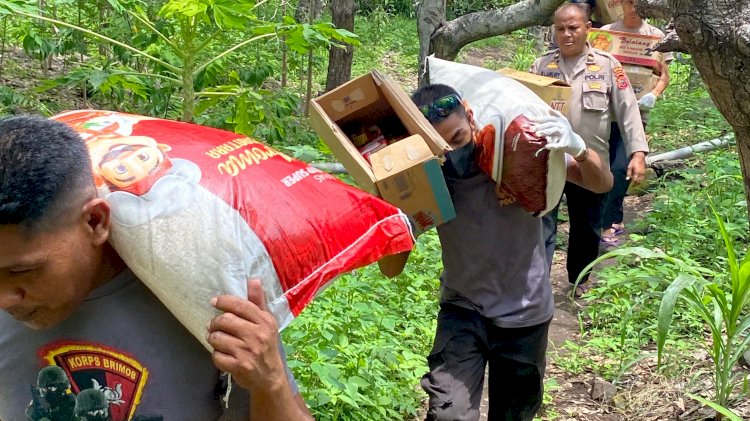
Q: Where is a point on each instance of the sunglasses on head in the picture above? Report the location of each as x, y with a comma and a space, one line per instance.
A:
441, 107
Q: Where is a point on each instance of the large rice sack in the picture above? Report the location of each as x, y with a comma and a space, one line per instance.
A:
509, 151
197, 211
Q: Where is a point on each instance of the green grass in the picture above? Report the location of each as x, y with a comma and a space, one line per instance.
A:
685, 115
390, 47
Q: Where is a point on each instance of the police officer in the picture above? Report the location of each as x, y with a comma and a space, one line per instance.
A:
600, 86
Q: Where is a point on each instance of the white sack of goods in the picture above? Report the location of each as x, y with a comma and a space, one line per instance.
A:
509, 151
198, 211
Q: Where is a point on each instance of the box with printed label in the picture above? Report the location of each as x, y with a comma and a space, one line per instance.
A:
554, 92
608, 11
627, 48
413, 182
642, 79
408, 175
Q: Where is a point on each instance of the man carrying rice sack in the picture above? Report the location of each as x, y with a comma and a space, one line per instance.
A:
82, 338
496, 299
600, 87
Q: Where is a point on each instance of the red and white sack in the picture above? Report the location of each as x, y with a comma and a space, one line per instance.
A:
197, 211
508, 151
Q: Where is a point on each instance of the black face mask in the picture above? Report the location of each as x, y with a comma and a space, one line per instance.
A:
459, 162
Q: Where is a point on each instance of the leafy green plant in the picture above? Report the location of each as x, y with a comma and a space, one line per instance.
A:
180, 57
526, 53
360, 348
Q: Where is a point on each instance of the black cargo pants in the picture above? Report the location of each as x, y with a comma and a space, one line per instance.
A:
465, 343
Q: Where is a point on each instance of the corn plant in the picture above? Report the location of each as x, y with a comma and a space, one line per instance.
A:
721, 301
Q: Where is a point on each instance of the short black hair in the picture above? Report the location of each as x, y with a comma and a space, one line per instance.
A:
44, 170
427, 94
581, 7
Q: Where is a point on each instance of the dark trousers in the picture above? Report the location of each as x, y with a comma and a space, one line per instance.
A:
618, 164
465, 342
584, 212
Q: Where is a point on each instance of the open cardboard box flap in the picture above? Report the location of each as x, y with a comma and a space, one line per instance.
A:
367, 95
532, 78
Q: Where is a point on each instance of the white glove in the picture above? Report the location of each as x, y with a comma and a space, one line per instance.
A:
647, 101
559, 134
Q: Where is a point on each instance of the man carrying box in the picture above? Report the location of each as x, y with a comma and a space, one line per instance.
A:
496, 299
612, 214
600, 87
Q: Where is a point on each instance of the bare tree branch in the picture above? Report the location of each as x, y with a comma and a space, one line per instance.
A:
450, 37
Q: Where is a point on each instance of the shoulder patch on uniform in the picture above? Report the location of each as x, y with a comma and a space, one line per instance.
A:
621, 78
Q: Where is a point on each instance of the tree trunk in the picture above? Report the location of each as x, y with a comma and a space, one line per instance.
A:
284, 50
430, 15
743, 147
717, 35
304, 7
340, 59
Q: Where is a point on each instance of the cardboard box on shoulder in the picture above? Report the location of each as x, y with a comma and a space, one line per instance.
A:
553, 91
608, 11
406, 173
409, 176
642, 79
627, 48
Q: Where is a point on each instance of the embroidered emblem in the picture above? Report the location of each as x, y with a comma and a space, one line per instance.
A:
110, 382
621, 78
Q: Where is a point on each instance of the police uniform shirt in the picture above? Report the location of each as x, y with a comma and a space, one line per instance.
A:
599, 86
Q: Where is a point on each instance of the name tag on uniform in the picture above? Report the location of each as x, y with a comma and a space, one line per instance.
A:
590, 77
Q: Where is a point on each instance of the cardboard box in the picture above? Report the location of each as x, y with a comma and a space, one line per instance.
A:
628, 48
408, 175
553, 91
412, 182
642, 79
608, 11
